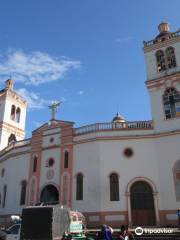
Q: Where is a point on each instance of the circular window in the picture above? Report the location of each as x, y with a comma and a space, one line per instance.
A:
51, 140
128, 152
50, 162
2, 172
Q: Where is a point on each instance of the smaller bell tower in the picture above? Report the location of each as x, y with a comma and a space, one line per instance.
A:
12, 115
162, 56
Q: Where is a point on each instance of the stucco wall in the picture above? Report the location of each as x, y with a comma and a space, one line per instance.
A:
16, 170
168, 152
157, 108
55, 176
96, 160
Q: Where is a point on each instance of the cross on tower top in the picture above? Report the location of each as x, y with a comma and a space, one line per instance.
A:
54, 107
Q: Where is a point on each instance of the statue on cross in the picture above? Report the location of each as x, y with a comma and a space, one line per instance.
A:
54, 107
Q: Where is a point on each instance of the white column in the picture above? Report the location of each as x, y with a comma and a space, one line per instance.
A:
129, 208
156, 207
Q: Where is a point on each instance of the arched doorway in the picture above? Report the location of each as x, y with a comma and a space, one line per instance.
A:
142, 204
49, 194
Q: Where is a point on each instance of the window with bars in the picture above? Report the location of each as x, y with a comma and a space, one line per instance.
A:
171, 101
170, 55
114, 187
79, 187
165, 59
160, 58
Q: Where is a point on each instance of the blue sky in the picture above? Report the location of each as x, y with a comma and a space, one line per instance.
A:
87, 53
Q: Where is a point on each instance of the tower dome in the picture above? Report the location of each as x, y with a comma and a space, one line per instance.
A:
163, 27
118, 118
164, 31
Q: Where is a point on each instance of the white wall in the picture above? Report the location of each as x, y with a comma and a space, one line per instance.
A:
4, 135
46, 154
86, 160
157, 108
7, 113
141, 164
96, 160
168, 152
48, 135
16, 170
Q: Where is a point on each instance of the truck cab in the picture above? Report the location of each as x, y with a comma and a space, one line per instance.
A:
13, 232
50, 222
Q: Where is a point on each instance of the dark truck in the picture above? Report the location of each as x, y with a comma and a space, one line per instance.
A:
51, 223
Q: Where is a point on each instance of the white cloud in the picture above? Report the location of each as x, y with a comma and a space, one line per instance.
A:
33, 99
34, 68
80, 92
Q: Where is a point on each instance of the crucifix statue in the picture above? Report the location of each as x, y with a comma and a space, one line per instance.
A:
54, 107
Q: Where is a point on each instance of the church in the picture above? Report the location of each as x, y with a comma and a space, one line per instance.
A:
116, 172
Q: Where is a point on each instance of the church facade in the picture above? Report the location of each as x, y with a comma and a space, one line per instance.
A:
115, 172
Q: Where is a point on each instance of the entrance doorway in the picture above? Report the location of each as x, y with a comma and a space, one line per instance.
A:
49, 194
142, 204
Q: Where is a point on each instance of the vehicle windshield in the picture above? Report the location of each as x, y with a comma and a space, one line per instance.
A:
14, 229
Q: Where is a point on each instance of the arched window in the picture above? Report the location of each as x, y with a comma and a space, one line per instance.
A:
35, 163
66, 159
11, 139
171, 101
79, 187
23, 192
161, 64
170, 55
18, 113
176, 173
13, 112
114, 187
4, 196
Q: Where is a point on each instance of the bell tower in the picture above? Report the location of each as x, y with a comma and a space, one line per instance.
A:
162, 56
12, 115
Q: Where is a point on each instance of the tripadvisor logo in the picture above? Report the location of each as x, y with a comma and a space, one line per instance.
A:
140, 230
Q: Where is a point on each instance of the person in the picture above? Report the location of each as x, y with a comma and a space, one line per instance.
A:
125, 233
64, 236
105, 233
121, 234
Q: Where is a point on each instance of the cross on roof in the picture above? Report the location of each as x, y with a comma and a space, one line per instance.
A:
54, 107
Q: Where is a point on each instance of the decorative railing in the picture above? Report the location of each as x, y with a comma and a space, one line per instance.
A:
171, 35
15, 144
114, 126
